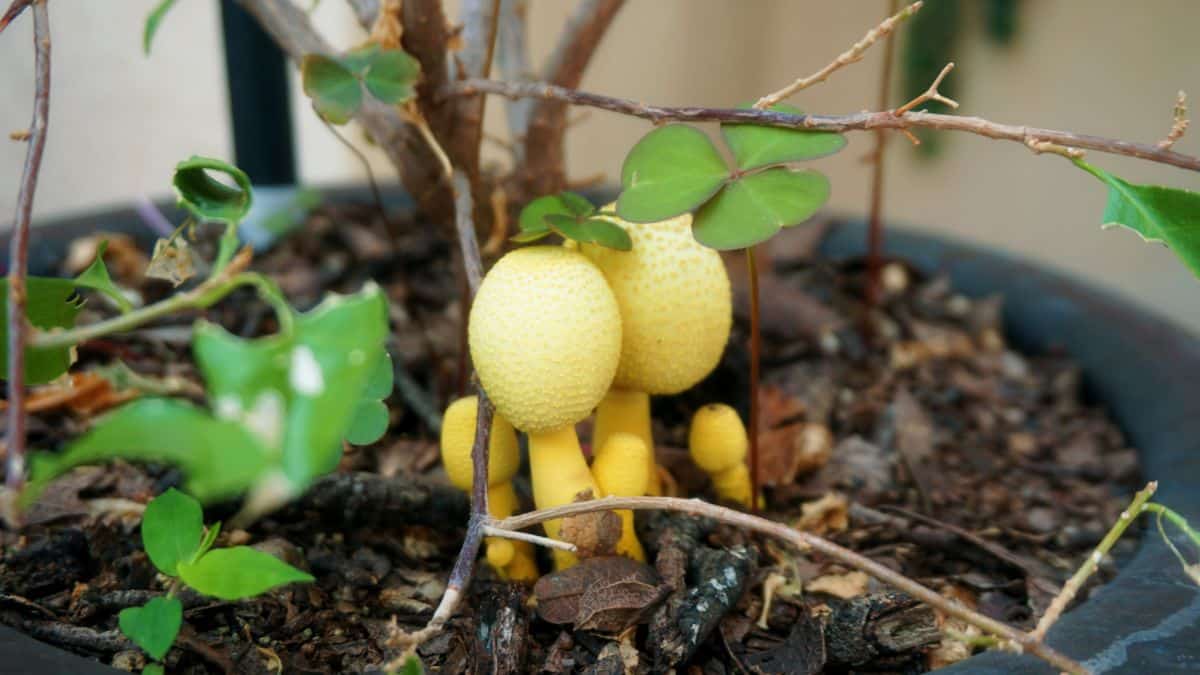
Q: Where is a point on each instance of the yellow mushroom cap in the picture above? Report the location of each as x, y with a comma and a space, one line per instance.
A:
717, 439
458, 435
545, 336
676, 305
622, 466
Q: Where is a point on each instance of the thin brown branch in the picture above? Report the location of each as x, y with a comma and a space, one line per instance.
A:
1179, 122
14, 10
18, 249
480, 19
512, 58
852, 55
806, 542
1089, 566
544, 168
931, 94
875, 208
864, 121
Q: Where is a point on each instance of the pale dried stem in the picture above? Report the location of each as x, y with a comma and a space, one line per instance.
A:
1046, 147
931, 94
492, 531
1089, 566
1179, 124
852, 55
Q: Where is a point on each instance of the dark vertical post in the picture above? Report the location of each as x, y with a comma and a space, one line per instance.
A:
259, 107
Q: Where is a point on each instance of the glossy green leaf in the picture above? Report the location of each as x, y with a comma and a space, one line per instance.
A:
49, 304
670, 171
335, 91
207, 198
238, 573
530, 237
152, 21
368, 423
391, 76
753, 208
1160, 214
576, 203
210, 537
219, 458
96, 278
154, 625
172, 528
591, 231
756, 146
533, 221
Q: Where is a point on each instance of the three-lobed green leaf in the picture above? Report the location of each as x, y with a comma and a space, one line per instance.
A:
756, 145
391, 75
1159, 214
335, 83
153, 626
569, 215
670, 171
238, 572
172, 530
335, 90
754, 207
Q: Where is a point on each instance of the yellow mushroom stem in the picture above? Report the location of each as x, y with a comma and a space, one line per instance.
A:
627, 411
718, 444
559, 474
513, 559
621, 470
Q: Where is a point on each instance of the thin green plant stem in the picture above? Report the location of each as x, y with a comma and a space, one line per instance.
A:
1089, 566
1176, 520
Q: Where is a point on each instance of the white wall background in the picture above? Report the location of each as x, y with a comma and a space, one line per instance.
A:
120, 121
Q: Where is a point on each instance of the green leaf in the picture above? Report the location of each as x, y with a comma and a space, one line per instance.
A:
210, 537
335, 91
412, 666
754, 207
153, 626
576, 203
172, 528
152, 20
528, 237
391, 76
591, 231
359, 59
220, 459
670, 171
96, 277
153, 669
238, 573
755, 145
1160, 214
207, 198
533, 217
382, 379
49, 304
368, 424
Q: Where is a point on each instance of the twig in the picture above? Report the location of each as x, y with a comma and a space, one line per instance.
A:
479, 22
864, 121
543, 170
852, 55
512, 57
1088, 568
875, 209
18, 250
14, 10
491, 531
805, 541
1179, 122
931, 94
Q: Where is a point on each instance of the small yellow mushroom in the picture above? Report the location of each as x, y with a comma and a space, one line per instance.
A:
676, 311
717, 441
511, 559
622, 470
545, 337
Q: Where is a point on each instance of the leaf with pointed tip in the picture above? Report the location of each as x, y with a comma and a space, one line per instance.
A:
172, 530
391, 75
49, 304
591, 231
154, 625
96, 277
335, 91
1160, 214
530, 237
533, 217
753, 208
670, 171
207, 198
756, 145
238, 573
152, 21
210, 538
576, 203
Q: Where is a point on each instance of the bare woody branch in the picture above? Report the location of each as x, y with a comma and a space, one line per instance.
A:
863, 121
543, 170
480, 19
1179, 123
18, 249
14, 10
931, 94
512, 58
852, 55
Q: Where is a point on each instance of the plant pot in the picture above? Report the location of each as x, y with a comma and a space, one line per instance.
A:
1146, 370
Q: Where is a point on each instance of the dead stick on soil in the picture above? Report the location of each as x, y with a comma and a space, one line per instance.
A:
18, 250
805, 541
1088, 568
852, 55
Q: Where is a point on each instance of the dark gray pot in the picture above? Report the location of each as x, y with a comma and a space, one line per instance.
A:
1144, 368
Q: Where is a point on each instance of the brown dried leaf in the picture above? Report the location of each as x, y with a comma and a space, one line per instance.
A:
830, 513
613, 607
594, 534
561, 595
845, 586
172, 261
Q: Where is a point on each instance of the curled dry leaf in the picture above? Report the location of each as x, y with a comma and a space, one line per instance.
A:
845, 586
830, 513
84, 393
788, 447
172, 261
956, 633
594, 534
606, 594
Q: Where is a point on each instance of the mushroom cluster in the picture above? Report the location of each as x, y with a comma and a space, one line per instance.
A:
557, 332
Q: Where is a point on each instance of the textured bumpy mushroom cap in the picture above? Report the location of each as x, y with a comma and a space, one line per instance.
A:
545, 336
717, 440
458, 435
676, 306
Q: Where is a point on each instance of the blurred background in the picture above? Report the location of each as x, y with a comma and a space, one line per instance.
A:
121, 120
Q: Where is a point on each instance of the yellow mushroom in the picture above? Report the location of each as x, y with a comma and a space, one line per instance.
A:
622, 470
545, 337
717, 442
512, 559
676, 311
